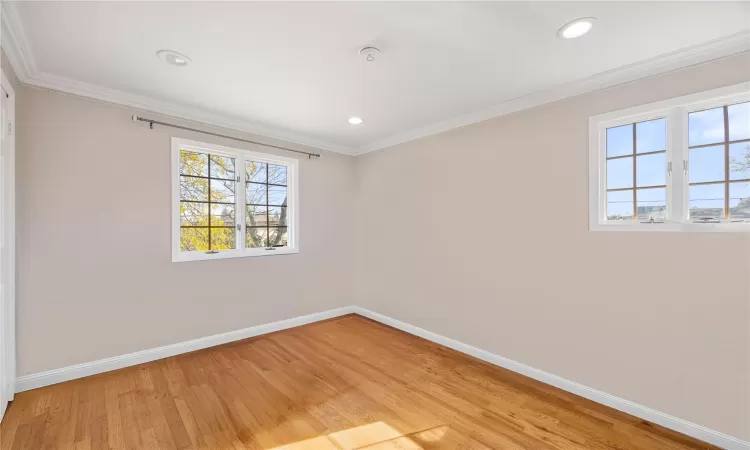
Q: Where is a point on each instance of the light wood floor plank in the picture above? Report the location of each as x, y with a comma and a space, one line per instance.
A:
345, 383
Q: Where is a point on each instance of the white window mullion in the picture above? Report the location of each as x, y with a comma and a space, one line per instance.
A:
240, 199
677, 181
602, 179
292, 207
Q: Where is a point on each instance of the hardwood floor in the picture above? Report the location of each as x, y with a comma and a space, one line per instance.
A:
347, 383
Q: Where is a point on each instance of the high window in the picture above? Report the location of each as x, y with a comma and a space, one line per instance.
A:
682, 164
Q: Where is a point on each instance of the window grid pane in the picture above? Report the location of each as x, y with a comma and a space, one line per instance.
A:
739, 161
707, 201
651, 136
724, 129
651, 144
706, 127
739, 121
652, 204
620, 205
739, 200
216, 229
266, 218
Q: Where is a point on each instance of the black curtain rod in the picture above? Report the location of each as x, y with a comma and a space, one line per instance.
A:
151, 123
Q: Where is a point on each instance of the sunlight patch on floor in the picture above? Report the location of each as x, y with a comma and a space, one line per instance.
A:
350, 439
412, 441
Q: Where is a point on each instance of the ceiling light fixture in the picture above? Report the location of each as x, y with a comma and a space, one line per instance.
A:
576, 28
174, 58
355, 120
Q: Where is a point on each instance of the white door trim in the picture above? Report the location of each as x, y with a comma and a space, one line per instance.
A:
8, 250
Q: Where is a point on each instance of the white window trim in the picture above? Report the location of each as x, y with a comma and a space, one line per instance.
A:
676, 111
241, 155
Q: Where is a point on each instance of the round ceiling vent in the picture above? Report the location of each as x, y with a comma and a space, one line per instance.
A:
369, 54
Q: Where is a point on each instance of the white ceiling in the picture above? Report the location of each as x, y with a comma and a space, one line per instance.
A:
291, 70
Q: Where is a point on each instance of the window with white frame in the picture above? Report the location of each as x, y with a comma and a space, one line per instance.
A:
682, 164
230, 202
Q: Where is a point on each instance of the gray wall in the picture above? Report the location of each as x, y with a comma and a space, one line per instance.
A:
481, 234
95, 276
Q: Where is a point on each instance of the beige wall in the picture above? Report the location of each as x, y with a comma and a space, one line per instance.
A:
480, 234
95, 276
446, 240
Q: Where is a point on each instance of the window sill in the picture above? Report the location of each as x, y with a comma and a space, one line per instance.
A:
689, 227
201, 256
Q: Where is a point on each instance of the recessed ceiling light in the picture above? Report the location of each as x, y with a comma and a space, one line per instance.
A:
173, 57
355, 120
576, 28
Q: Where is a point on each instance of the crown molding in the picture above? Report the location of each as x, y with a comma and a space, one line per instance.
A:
178, 111
14, 43
18, 50
680, 59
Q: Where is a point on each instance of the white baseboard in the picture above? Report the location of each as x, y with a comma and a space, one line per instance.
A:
683, 426
55, 376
